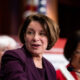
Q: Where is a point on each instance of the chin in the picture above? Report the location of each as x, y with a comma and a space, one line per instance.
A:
36, 52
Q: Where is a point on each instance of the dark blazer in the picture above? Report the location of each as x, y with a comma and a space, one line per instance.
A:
18, 65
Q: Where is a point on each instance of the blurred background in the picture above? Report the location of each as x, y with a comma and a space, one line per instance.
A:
65, 12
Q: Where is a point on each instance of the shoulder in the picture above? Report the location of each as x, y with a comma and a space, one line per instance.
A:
59, 75
58, 72
17, 54
64, 74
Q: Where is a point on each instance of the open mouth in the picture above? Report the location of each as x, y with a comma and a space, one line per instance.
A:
35, 45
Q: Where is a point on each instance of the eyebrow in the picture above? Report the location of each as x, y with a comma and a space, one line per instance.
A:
30, 29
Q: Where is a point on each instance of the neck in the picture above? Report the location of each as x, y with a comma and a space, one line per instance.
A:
38, 62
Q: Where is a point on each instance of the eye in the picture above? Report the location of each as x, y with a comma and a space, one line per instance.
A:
30, 32
43, 34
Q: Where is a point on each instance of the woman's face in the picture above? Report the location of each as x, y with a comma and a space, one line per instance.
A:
76, 58
35, 38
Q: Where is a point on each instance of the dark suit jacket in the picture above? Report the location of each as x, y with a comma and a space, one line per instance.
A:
18, 65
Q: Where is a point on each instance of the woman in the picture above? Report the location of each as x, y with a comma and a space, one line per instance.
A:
72, 54
37, 34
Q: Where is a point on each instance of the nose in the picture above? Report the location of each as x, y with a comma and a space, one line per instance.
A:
36, 37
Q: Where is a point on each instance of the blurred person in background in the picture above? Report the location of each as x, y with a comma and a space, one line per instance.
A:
6, 43
72, 54
38, 33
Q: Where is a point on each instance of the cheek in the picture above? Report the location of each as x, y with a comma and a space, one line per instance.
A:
45, 40
76, 58
27, 39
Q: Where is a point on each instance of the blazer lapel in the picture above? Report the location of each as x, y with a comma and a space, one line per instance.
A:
33, 71
51, 75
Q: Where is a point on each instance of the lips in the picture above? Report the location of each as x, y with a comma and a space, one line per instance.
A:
35, 45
